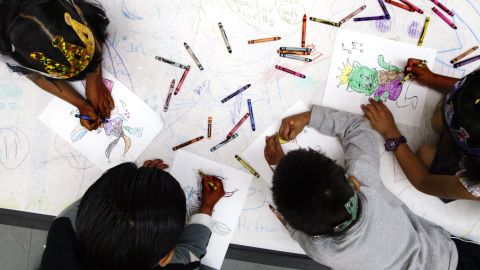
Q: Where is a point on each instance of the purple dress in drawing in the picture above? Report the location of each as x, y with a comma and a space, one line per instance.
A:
392, 90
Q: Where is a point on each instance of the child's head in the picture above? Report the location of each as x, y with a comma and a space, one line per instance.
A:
463, 107
310, 191
33, 25
130, 218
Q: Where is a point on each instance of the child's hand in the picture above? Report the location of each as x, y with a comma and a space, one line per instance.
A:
381, 119
273, 150
293, 125
155, 163
99, 96
212, 192
87, 109
422, 74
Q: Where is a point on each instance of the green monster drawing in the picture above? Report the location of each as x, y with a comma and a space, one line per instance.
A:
382, 85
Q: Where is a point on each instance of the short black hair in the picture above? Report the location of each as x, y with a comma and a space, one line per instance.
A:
310, 191
24, 31
130, 218
467, 115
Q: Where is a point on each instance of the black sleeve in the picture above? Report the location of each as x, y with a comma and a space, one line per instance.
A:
60, 251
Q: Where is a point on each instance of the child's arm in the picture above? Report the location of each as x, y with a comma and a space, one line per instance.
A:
357, 138
65, 91
194, 240
443, 186
98, 94
425, 76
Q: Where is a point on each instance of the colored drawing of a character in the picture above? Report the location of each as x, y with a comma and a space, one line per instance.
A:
383, 84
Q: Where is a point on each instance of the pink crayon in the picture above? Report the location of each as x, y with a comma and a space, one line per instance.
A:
289, 71
444, 18
444, 8
230, 134
412, 6
179, 85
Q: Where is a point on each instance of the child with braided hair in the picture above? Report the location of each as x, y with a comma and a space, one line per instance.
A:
56, 41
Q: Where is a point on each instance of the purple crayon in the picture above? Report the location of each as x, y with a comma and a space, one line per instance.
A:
467, 61
444, 8
374, 18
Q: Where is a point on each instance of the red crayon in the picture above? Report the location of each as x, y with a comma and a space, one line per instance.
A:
408, 8
444, 8
444, 18
304, 30
412, 6
289, 71
230, 134
179, 85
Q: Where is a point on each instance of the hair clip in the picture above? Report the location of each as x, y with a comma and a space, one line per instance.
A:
477, 101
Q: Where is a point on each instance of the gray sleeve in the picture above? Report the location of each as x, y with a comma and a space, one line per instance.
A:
358, 139
192, 245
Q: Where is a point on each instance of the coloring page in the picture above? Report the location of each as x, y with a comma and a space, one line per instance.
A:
365, 66
185, 169
130, 129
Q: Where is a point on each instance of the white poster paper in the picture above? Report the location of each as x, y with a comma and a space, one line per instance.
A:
308, 138
365, 66
225, 216
130, 129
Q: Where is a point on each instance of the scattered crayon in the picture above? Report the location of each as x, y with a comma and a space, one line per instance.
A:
222, 143
180, 83
284, 69
466, 61
209, 127
250, 111
424, 31
279, 217
412, 6
336, 24
253, 41
304, 29
237, 126
225, 39
373, 18
353, 14
247, 166
400, 5
187, 143
194, 57
461, 56
293, 52
159, 58
444, 18
295, 49
384, 8
296, 57
444, 8
169, 96
236, 93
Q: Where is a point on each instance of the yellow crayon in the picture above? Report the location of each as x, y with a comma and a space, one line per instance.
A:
424, 32
248, 167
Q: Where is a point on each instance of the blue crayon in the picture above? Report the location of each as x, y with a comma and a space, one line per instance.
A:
86, 117
250, 110
236, 93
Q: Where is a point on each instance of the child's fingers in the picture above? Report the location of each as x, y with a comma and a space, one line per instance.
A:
367, 112
284, 130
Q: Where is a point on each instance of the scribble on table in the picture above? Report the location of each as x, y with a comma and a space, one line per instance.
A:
14, 147
382, 85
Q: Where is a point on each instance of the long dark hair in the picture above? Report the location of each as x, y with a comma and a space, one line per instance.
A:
25, 24
130, 218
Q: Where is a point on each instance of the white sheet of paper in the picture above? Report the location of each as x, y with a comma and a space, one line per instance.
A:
356, 75
308, 138
225, 216
131, 127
